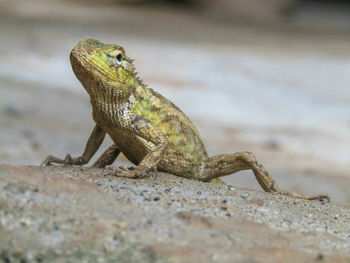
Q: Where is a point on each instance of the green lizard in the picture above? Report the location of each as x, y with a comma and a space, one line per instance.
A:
147, 128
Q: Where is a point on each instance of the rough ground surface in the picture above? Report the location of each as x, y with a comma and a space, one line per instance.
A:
57, 214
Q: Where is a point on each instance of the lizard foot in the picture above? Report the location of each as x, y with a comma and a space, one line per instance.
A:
123, 171
315, 197
68, 160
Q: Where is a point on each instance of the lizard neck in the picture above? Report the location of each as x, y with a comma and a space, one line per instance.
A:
104, 95
111, 104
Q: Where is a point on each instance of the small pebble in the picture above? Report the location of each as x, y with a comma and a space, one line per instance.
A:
224, 206
320, 257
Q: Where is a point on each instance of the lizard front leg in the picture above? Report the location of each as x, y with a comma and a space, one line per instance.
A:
146, 130
94, 142
226, 164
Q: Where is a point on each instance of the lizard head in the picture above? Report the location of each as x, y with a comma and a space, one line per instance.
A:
93, 61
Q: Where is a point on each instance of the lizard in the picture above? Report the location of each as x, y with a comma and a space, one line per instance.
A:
151, 131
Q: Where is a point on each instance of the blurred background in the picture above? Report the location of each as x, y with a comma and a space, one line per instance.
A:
267, 76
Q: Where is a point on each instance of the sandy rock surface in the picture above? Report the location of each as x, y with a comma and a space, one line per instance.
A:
58, 214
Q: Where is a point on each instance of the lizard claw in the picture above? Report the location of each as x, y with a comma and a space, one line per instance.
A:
68, 160
124, 168
324, 197
48, 161
44, 163
154, 173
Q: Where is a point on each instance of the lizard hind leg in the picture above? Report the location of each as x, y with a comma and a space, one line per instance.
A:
108, 157
226, 164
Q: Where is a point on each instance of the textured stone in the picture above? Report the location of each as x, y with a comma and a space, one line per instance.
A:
56, 214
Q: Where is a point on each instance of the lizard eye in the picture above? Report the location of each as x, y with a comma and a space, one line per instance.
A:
119, 58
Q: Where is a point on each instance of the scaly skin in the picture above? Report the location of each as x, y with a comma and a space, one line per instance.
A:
146, 127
